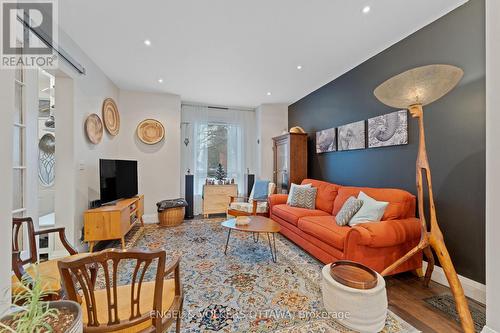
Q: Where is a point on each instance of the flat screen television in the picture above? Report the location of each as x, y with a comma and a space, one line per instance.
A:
118, 179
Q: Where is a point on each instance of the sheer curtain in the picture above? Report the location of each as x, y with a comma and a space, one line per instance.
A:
237, 144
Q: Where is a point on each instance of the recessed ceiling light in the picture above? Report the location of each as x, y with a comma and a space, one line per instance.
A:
299, 67
366, 9
147, 42
268, 93
160, 80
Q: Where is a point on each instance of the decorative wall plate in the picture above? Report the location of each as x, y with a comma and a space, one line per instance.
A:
110, 116
94, 128
150, 131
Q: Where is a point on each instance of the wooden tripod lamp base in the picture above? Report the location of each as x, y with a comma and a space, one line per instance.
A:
412, 90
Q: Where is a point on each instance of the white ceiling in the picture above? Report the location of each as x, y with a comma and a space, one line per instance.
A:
232, 52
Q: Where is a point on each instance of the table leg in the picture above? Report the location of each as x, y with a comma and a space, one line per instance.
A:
123, 243
255, 239
272, 247
227, 241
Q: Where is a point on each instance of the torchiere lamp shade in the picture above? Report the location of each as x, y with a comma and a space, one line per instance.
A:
420, 85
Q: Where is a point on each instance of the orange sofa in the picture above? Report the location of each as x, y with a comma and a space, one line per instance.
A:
375, 244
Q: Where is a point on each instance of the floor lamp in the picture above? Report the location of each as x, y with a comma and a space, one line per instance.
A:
412, 90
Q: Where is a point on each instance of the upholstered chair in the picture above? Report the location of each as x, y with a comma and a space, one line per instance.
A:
243, 206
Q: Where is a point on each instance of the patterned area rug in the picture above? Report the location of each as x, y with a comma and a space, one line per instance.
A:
446, 304
245, 291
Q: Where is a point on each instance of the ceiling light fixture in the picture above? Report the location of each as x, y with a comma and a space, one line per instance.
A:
299, 67
147, 42
160, 80
366, 9
268, 93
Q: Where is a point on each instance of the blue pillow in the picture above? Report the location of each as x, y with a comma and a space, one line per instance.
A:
260, 189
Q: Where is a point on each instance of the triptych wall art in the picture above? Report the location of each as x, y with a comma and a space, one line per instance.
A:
382, 131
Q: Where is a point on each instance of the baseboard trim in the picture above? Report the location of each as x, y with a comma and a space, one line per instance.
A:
486, 329
472, 289
150, 218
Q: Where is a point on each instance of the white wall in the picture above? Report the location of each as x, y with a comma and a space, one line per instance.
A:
492, 166
77, 96
159, 164
272, 120
6, 134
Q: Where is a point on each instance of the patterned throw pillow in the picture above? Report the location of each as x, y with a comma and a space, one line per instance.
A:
348, 210
304, 197
292, 189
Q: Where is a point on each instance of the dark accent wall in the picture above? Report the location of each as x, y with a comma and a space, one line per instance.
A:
455, 129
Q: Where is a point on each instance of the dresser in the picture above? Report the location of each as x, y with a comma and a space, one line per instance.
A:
290, 160
216, 198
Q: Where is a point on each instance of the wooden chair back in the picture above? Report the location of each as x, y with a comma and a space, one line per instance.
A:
18, 225
76, 275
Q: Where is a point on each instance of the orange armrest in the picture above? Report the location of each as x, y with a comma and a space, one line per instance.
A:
277, 199
388, 233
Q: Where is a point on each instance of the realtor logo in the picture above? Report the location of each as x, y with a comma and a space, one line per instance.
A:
29, 34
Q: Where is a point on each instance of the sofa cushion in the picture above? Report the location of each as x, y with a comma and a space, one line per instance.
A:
401, 203
293, 214
326, 194
325, 229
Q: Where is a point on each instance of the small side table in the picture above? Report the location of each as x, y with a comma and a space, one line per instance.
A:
363, 310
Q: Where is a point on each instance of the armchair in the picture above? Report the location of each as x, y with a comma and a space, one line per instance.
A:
47, 269
243, 206
136, 307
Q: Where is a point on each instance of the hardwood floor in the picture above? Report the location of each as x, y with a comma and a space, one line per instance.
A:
406, 295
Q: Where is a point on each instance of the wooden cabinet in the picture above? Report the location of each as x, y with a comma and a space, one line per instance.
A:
290, 160
113, 221
216, 198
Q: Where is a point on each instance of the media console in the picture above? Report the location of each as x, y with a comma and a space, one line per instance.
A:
112, 222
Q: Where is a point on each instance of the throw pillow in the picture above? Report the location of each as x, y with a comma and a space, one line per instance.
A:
292, 189
349, 209
260, 189
371, 211
304, 197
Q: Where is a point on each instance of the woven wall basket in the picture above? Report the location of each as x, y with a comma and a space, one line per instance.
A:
94, 128
111, 116
150, 131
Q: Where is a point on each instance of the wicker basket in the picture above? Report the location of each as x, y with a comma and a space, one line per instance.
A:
171, 217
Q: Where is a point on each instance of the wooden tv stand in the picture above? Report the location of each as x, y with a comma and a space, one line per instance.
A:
113, 221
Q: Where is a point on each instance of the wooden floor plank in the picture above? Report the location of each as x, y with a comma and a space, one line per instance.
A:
406, 294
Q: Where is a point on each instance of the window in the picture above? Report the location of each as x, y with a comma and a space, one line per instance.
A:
214, 140
217, 143
19, 158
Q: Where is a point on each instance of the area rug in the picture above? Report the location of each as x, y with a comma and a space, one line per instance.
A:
244, 291
446, 304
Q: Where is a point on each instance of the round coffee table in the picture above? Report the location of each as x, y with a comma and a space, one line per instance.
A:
257, 225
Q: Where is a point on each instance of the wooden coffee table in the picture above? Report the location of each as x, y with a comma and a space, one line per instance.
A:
257, 225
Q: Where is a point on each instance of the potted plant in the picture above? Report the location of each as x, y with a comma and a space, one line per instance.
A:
220, 174
31, 313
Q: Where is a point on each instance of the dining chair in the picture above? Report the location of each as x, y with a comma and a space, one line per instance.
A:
151, 302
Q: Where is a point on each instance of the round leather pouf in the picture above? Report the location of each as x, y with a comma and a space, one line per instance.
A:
362, 310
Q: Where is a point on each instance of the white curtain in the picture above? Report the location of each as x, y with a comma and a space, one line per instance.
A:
241, 141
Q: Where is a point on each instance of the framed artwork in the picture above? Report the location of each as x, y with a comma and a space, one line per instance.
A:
388, 130
326, 141
352, 136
